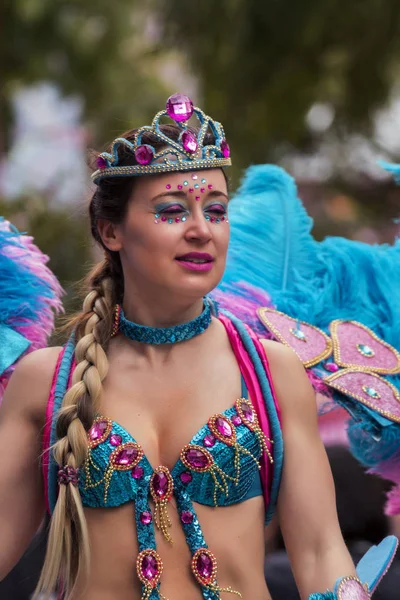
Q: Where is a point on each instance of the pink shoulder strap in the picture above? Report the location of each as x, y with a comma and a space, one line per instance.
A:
248, 371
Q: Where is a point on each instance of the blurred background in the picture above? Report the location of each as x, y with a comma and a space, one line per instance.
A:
311, 85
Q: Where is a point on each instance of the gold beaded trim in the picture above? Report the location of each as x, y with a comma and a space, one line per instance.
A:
330, 380
211, 468
254, 426
336, 348
262, 315
344, 596
167, 167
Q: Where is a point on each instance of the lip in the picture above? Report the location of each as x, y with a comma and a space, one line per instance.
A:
203, 267
196, 255
185, 259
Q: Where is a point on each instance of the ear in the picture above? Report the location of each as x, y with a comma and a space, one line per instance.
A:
110, 234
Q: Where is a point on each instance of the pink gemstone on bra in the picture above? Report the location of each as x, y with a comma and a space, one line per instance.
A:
149, 567
247, 411
331, 367
186, 517
146, 517
137, 472
236, 420
115, 439
160, 484
209, 440
224, 427
197, 458
186, 477
204, 565
97, 430
127, 456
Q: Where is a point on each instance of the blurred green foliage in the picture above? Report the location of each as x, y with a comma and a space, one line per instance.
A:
94, 49
262, 64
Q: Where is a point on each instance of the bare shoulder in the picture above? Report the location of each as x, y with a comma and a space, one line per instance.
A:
292, 386
29, 386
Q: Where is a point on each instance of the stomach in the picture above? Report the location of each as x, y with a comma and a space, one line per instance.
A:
234, 534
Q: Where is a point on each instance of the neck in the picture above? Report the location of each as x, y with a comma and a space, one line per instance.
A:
161, 313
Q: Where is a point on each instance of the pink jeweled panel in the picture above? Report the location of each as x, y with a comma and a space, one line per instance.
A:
315, 347
349, 336
354, 383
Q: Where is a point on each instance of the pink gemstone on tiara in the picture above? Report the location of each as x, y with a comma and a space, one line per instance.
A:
179, 107
144, 154
226, 151
101, 162
189, 142
180, 187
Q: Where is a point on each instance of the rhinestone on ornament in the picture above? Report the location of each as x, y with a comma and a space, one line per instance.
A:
196, 458
101, 162
126, 456
99, 431
204, 566
209, 440
222, 429
146, 517
189, 142
179, 108
149, 567
115, 439
186, 477
186, 517
226, 151
299, 334
144, 154
371, 392
331, 367
365, 350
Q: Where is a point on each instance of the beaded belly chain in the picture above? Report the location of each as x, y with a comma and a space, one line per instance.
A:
217, 468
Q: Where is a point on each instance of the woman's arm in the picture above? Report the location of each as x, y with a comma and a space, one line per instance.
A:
22, 416
306, 503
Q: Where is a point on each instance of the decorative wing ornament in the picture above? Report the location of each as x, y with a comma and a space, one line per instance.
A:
336, 303
30, 295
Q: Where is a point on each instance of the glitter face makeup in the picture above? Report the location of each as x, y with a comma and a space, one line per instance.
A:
176, 211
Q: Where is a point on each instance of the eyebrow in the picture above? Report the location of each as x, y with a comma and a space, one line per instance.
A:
180, 194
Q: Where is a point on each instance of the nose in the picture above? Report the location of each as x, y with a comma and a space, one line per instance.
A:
199, 229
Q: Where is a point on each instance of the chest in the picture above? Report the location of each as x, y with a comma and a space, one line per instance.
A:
165, 405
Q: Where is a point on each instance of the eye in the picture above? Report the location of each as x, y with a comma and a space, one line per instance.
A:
172, 209
218, 209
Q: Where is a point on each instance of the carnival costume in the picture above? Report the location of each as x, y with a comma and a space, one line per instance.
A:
29, 297
238, 453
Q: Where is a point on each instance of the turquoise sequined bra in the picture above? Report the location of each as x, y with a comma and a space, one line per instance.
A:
218, 467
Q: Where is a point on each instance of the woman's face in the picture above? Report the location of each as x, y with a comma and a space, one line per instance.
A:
175, 236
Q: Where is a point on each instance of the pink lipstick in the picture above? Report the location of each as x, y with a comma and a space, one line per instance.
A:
196, 261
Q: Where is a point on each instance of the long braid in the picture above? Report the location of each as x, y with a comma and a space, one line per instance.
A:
68, 552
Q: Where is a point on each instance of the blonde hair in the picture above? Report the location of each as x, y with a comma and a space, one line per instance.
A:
68, 551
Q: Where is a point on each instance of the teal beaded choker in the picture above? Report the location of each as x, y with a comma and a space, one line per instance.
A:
162, 335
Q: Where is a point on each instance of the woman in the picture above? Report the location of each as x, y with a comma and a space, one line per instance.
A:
159, 512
